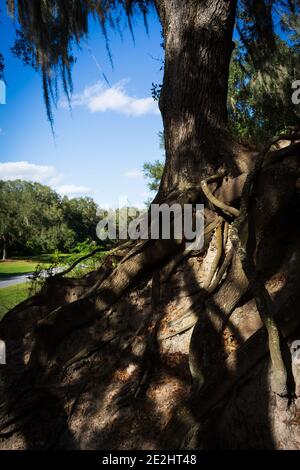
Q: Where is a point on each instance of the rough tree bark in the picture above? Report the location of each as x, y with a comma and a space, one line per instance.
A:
86, 363
193, 102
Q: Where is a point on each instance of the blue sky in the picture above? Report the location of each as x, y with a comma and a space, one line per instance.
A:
100, 147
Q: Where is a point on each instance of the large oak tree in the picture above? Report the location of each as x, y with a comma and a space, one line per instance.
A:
100, 339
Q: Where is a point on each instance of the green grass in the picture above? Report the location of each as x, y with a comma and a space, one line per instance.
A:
11, 296
15, 267
22, 265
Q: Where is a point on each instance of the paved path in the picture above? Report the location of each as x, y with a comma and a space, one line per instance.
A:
6, 281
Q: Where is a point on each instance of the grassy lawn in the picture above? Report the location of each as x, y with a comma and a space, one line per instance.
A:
22, 265
25, 265
11, 296
15, 267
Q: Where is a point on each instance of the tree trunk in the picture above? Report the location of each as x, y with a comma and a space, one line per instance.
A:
4, 249
193, 102
113, 356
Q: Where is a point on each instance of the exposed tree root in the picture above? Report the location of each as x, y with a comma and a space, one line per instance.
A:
65, 319
193, 414
219, 310
263, 300
215, 263
214, 371
117, 251
216, 202
219, 276
204, 345
139, 262
224, 301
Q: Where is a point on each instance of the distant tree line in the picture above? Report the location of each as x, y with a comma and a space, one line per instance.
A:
35, 219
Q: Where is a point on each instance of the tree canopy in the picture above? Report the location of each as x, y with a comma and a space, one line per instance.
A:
51, 30
35, 219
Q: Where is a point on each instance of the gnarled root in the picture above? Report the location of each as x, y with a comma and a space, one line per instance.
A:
222, 376
63, 320
209, 359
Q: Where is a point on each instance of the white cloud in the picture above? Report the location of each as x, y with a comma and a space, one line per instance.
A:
100, 98
29, 172
71, 189
43, 174
133, 174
